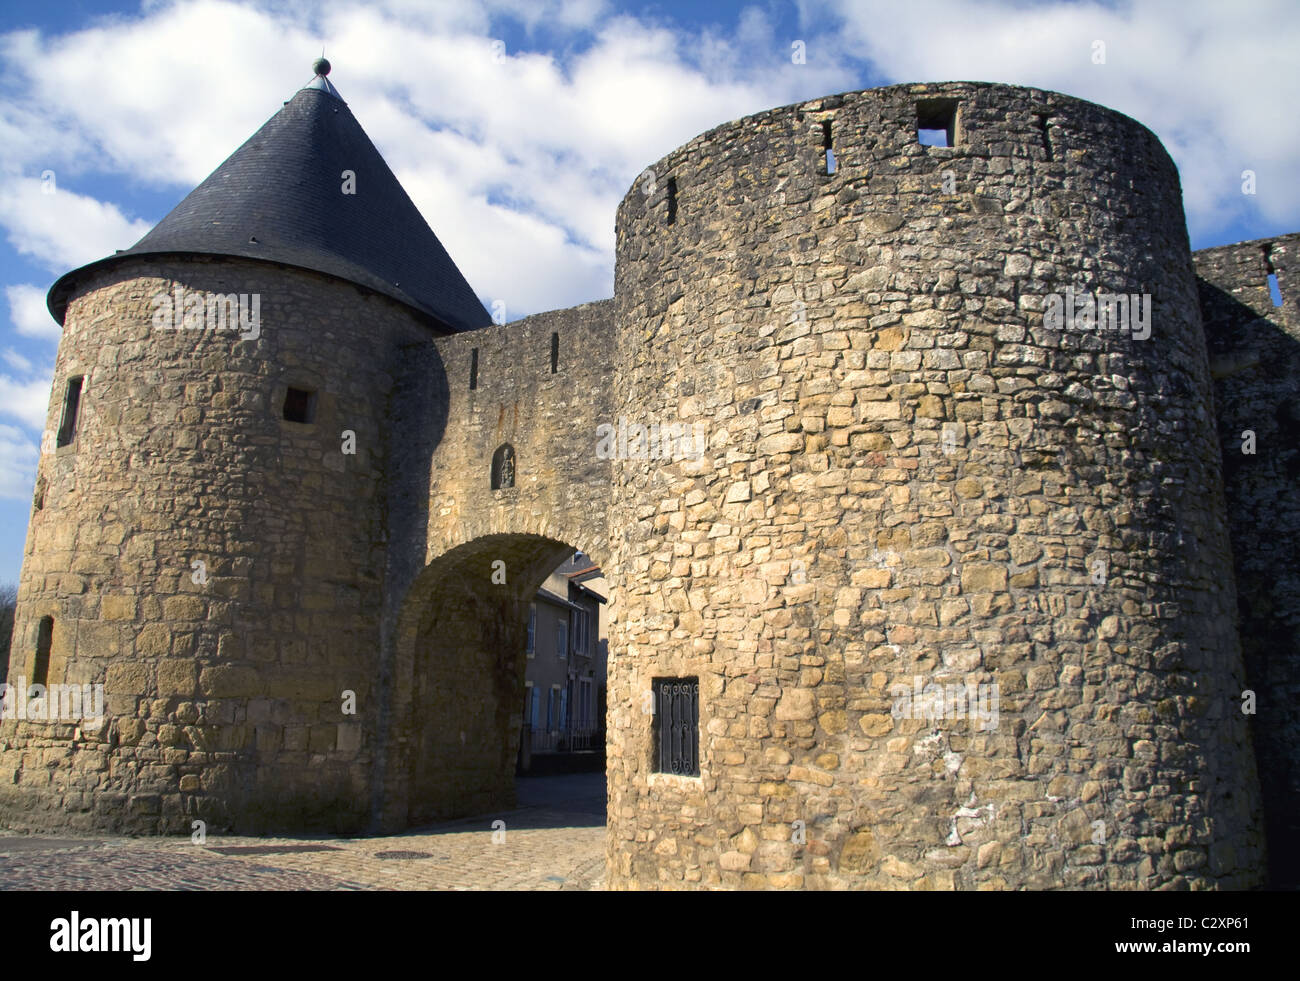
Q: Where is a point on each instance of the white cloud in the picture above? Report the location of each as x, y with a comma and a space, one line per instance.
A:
28, 401
16, 360
1212, 80
30, 316
63, 229
18, 456
517, 164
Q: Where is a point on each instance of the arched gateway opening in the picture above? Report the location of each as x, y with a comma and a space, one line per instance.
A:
457, 700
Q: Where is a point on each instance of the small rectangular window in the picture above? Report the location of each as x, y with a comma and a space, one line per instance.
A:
672, 200
677, 726
300, 405
473, 369
71, 406
826, 145
936, 122
555, 353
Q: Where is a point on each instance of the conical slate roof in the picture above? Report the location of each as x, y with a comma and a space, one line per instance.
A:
280, 198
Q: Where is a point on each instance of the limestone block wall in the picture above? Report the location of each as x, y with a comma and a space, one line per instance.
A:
224, 695
548, 417
541, 385
1255, 358
912, 480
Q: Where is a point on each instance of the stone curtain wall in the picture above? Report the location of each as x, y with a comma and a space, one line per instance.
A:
561, 488
910, 479
458, 675
224, 698
1255, 357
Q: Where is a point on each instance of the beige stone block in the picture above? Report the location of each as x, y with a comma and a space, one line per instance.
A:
734, 861
176, 676
230, 681
795, 704
128, 679
983, 578
881, 411
184, 608
860, 853
876, 725
780, 443
834, 721
117, 607
154, 640
889, 339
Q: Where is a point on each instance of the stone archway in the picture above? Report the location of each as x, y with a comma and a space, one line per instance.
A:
457, 682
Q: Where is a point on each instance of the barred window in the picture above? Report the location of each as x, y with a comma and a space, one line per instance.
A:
677, 726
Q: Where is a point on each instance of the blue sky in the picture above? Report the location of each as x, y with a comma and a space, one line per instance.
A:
519, 162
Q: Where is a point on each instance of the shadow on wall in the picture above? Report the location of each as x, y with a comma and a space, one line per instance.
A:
1256, 368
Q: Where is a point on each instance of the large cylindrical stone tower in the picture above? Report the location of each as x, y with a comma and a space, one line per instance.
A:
944, 601
228, 513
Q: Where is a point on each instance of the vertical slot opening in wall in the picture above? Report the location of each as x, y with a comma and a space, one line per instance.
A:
555, 353
1047, 136
1274, 288
828, 147
473, 369
672, 200
44, 639
71, 407
936, 122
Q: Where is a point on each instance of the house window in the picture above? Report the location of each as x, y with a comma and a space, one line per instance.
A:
580, 631
473, 369
532, 631
562, 639
299, 405
555, 353
71, 406
677, 726
44, 638
537, 699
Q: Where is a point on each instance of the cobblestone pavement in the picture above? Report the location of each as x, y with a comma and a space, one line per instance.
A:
554, 840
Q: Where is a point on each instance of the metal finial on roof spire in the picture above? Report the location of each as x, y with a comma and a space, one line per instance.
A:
322, 68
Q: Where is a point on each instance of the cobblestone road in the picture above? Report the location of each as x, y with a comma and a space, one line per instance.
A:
554, 840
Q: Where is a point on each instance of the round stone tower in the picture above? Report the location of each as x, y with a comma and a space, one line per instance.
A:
944, 599
211, 533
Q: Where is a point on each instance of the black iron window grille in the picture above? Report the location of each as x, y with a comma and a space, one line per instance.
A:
677, 726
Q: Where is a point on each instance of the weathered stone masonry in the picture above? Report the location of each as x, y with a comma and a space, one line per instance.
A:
831, 329
909, 479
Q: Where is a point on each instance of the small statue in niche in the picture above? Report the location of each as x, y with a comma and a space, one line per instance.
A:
503, 469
